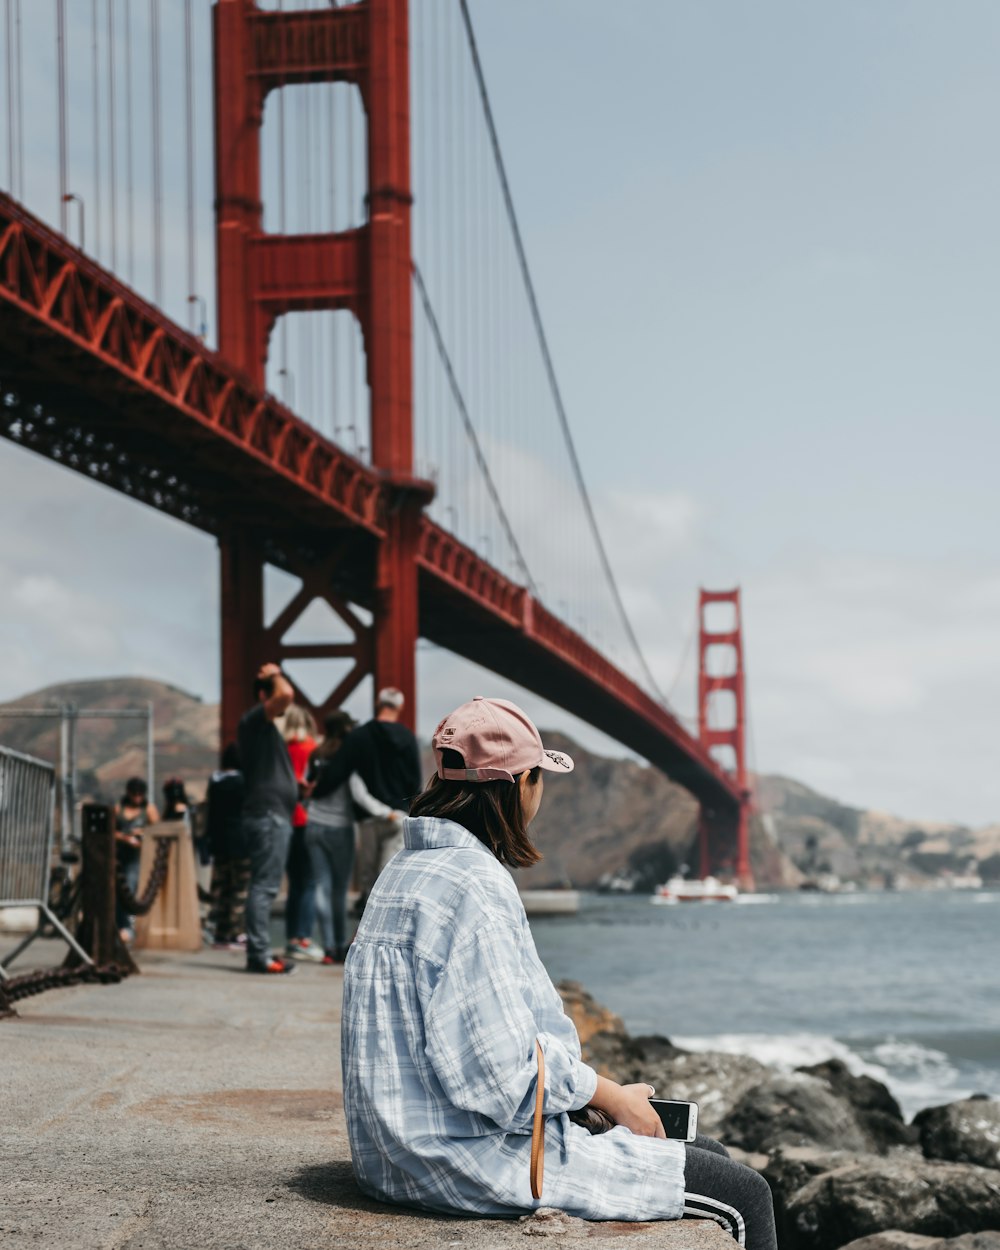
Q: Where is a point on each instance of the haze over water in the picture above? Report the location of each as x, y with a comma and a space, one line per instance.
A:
904, 987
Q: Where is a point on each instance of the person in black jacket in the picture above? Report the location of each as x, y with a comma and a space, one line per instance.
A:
385, 755
230, 864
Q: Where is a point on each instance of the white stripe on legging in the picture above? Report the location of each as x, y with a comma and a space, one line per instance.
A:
714, 1210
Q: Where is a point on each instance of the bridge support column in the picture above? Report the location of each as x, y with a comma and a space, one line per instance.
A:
397, 615
724, 836
367, 270
242, 641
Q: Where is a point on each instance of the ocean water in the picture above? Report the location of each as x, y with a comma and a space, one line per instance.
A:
903, 987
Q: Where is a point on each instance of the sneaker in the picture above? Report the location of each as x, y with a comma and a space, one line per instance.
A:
277, 967
329, 957
302, 948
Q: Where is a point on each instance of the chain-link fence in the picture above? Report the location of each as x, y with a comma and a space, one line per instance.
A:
27, 812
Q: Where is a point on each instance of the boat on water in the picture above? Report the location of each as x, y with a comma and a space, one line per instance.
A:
685, 890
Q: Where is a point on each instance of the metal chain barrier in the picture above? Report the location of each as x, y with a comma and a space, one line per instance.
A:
102, 881
30, 983
139, 905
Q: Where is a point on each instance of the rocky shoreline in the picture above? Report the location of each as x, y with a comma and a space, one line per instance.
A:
845, 1168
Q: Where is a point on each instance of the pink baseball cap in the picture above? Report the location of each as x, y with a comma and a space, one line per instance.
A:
496, 740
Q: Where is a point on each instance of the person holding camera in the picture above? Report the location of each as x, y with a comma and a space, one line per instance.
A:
455, 1046
271, 793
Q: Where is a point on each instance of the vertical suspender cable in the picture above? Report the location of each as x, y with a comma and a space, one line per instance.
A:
282, 225
353, 331
96, 109
61, 71
334, 379
189, 170
306, 193
420, 362
157, 155
10, 95
129, 167
20, 100
112, 147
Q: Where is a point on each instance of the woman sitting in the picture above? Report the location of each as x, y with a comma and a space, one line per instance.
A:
445, 997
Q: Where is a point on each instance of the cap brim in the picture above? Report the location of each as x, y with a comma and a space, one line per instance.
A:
556, 762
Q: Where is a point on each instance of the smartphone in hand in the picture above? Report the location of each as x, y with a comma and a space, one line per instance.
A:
679, 1119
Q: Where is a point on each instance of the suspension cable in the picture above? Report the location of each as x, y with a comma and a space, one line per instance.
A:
129, 164
10, 96
112, 146
96, 109
470, 429
547, 357
192, 303
154, 56
61, 58
20, 100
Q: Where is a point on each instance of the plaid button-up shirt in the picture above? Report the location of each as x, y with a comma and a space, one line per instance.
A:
444, 996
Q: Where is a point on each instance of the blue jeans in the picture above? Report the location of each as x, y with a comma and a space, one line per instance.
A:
267, 839
128, 862
300, 906
331, 849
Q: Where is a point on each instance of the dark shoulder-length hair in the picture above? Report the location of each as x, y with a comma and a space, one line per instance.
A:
490, 810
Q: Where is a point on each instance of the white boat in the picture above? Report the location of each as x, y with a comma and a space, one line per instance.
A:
683, 890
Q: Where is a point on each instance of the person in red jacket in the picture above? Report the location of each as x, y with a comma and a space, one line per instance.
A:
300, 906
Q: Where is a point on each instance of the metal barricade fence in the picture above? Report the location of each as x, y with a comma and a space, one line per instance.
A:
27, 818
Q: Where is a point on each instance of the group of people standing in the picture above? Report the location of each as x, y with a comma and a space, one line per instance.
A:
323, 813
305, 807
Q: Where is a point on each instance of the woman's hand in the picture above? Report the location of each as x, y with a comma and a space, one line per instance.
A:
628, 1105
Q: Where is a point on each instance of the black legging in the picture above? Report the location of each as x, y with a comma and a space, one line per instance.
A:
735, 1196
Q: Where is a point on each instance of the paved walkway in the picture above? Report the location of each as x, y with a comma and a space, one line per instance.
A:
196, 1107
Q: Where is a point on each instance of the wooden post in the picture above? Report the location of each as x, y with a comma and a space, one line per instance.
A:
173, 922
97, 932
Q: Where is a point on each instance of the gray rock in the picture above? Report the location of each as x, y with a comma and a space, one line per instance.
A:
876, 1109
791, 1168
899, 1192
962, 1132
715, 1081
795, 1110
896, 1240
971, 1241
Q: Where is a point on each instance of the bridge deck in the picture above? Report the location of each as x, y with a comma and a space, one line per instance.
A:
195, 1106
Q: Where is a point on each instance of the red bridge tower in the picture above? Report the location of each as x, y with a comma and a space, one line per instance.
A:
724, 845
262, 276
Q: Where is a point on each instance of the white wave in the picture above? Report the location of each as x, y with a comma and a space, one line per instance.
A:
917, 1076
782, 1051
744, 899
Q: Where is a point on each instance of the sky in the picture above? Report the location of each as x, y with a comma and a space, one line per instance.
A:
764, 242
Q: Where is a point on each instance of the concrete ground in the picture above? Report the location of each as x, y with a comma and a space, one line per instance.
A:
198, 1107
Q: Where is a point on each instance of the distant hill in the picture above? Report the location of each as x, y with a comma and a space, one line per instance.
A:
871, 848
613, 817
185, 733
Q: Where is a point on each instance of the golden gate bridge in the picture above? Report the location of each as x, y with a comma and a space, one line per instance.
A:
380, 415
